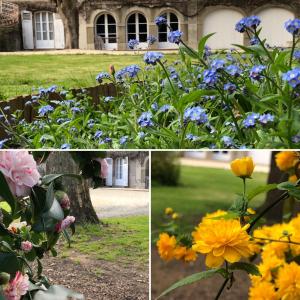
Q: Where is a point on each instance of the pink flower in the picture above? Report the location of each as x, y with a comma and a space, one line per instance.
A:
26, 246
20, 171
63, 199
64, 223
104, 167
17, 287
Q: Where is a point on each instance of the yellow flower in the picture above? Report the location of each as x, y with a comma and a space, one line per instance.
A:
251, 211
169, 211
242, 167
263, 291
179, 252
288, 282
286, 160
222, 240
293, 178
175, 216
166, 246
190, 255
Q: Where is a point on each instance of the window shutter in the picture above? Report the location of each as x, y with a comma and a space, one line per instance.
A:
59, 32
27, 30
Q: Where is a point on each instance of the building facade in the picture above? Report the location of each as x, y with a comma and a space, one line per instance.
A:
128, 169
109, 24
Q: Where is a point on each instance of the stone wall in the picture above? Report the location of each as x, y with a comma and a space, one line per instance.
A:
10, 38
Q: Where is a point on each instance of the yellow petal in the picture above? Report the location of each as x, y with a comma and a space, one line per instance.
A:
231, 255
213, 261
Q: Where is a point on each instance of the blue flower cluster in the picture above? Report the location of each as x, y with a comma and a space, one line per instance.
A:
133, 43
145, 120
293, 26
230, 87
101, 76
130, 71
292, 77
210, 77
256, 72
246, 23
174, 36
263, 119
234, 70
44, 110
152, 57
195, 114
217, 64
160, 20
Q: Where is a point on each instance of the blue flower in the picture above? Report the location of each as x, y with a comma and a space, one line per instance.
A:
250, 120
133, 43
218, 64
6, 108
254, 41
191, 137
2, 142
107, 140
154, 106
296, 139
108, 99
132, 70
152, 58
44, 110
234, 70
297, 54
251, 22
256, 72
292, 77
292, 26
141, 135
266, 118
145, 120
65, 146
151, 39
241, 25
165, 108
123, 139
174, 36
51, 89
160, 20
75, 110
98, 134
101, 76
195, 114
227, 140
210, 76
207, 51
230, 87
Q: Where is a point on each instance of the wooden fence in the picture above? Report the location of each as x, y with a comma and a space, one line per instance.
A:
29, 113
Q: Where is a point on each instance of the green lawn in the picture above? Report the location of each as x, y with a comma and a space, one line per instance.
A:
201, 190
20, 73
123, 240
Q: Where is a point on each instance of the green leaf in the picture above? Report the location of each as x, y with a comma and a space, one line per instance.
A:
6, 194
292, 189
261, 189
193, 278
202, 44
249, 268
9, 263
49, 196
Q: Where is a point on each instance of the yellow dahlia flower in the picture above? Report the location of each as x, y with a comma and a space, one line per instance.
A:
166, 246
222, 240
242, 167
286, 160
263, 291
169, 211
288, 282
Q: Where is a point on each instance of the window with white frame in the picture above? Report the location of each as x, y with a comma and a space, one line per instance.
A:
44, 26
137, 28
106, 28
164, 30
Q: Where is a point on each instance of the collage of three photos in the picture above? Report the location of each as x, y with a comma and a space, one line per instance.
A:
149, 150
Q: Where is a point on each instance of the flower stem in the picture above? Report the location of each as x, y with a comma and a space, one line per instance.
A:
222, 288
293, 50
168, 77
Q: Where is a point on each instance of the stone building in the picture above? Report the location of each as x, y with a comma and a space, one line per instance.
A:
109, 24
128, 169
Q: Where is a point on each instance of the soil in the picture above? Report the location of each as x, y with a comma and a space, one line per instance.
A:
97, 279
165, 274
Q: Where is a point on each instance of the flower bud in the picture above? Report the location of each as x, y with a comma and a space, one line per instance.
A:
169, 211
26, 246
63, 199
112, 70
4, 278
242, 167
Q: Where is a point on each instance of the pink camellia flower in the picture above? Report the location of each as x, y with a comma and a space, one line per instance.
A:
65, 223
18, 287
26, 246
20, 171
104, 167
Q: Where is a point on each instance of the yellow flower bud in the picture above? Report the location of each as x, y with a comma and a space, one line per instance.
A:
175, 216
169, 211
242, 167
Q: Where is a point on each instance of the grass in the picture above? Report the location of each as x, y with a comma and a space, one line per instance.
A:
200, 190
20, 73
123, 240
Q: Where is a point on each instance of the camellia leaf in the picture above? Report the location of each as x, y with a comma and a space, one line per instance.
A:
9, 263
193, 278
249, 268
6, 194
261, 189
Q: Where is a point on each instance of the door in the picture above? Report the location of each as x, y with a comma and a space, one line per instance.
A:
164, 30
59, 32
109, 178
137, 29
106, 32
44, 30
27, 30
121, 171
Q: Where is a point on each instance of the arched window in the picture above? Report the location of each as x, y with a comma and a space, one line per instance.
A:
137, 28
44, 30
106, 29
164, 30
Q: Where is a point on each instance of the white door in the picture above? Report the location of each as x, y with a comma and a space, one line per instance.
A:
59, 32
125, 171
137, 29
109, 178
106, 29
164, 30
27, 30
44, 30
121, 171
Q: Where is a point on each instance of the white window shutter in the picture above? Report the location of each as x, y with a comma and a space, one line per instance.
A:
125, 171
59, 32
27, 30
109, 178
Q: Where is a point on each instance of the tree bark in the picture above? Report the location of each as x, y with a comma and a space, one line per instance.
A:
61, 162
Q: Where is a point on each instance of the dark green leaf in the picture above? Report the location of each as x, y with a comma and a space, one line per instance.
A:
292, 189
9, 263
49, 197
6, 194
249, 268
202, 43
261, 189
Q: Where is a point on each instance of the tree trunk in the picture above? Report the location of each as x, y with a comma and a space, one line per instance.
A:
61, 162
275, 176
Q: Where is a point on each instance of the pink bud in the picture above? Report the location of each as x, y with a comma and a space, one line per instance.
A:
65, 223
26, 246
